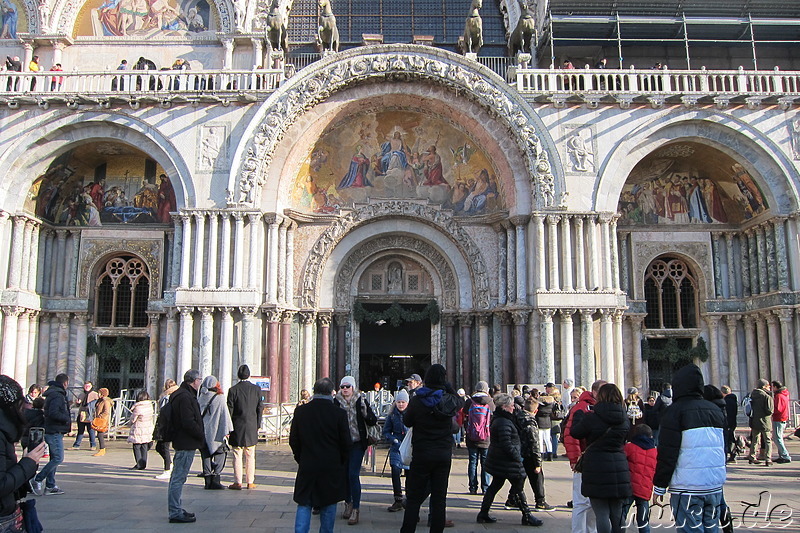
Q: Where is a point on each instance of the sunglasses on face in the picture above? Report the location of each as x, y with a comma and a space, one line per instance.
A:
344, 386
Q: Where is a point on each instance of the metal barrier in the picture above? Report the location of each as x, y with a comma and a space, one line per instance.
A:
276, 421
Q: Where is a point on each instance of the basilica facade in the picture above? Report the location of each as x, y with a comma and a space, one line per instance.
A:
393, 204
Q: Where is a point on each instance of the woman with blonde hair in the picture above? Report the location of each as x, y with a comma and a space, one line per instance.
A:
141, 433
102, 411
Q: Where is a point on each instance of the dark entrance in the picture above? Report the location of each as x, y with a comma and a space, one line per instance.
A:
390, 354
666, 356
121, 363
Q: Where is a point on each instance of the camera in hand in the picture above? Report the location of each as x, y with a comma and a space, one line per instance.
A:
35, 437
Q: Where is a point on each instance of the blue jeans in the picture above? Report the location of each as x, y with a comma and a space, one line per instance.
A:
642, 513
554, 441
475, 455
181, 463
696, 514
82, 428
777, 431
353, 475
55, 441
327, 517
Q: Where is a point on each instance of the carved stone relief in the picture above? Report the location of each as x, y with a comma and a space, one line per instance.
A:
442, 220
401, 63
94, 249
794, 131
213, 142
580, 149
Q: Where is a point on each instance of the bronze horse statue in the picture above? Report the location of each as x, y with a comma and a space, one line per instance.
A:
327, 33
473, 29
277, 26
521, 39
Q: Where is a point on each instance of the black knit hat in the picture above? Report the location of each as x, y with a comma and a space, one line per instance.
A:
10, 391
436, 376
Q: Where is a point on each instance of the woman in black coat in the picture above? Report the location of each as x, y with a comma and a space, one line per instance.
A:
15, 475
606, 479
504, 462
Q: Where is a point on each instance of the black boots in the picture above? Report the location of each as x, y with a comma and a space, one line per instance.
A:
213, 483
484, 518
527, 518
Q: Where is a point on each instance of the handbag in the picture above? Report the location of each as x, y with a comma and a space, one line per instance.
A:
405, 448
30, 517
579, 463
99, 424
373, 435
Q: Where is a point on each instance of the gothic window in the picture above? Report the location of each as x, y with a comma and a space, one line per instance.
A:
121, 293
670, 291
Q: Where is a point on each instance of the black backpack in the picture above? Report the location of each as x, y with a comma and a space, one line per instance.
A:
162, 431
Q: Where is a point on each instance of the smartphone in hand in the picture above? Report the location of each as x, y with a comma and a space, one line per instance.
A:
35, 437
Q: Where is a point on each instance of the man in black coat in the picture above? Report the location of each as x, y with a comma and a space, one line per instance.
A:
320, 441
186, 428
731, 412
244, 403
57, 422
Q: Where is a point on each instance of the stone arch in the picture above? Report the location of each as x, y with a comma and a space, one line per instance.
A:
759, 155
34, 19
407, 245
463, 253
397, 63
30, 155
103, 251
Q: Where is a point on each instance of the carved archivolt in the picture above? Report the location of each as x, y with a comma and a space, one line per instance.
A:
397, 63
442, 220
348, 269
95, 250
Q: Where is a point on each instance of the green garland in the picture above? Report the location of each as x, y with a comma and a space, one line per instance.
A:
672, 353
122, 348
396, 314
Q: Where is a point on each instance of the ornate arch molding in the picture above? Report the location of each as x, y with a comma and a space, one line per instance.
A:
400, 243
397, 63
34, 19
68, 128
102, 249
747, 145
441, 220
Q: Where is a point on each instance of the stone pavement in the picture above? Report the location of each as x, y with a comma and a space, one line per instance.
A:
102, 495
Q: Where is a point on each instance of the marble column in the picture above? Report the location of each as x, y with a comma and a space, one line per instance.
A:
171, 347
716, 257
23, 336
17, 246
774, 349
342, 323
25, 267
248, 350
71, 281
225, 252
43, 355
227, 61
612, 229
713, 349
619, 363
507, 363
272, 264
206, 346
744, 263
511, 262
554, 283
580, 255
541, 255
465, 321
33, 336
226, 349
258, 59
285, 354
752, 261
273, 318
789, 366
186, 256
607, 346
772, 263
307, 320
732, 277
763, 277
763, 346
793, 251
77, 369
289, 269
61, 259
782, 254
213, 250
624, 281
238, 249
636, 352
449, 323
594, 253
47, 265
567, 345
324, 320
199, 243
566, 247
751, 349
502, 265
548, 370
733, 353
588, 371
520, 319
254, 220
186, 340
282, 263
484, 372
151, 370
64, 358
605, 253
521, 259
176, 259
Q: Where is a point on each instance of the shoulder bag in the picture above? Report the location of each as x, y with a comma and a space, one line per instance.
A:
579, 463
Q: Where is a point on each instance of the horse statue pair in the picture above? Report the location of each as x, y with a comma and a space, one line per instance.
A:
522, 38
327, 32
473, 29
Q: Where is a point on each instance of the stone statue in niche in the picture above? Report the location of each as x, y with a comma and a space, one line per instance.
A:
395, 279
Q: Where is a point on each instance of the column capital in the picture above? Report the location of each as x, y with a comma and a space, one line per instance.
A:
272, 314
253, 217
248, 311
732, 319
771, 318
586, 314
520, 317
207, 312
547, 314
307, 317
4, 216
185, 217
28, 46
606, 314
636, 320
538, 218
63, 319
712, 320
552, 220
324, 318
605, 218
12, 310
566, 314
200, 215
465, 319
484, 319
578, 221
185, 311
505, 318
342, 318
83, 318
238, 216
171, 313
227, 44
449, 319
226, 312
34, 314
618, 315
784, 315
519, 220
749, 321
288, 316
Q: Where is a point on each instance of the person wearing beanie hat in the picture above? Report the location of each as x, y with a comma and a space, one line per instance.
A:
217, 424
188, 436
244, 403
359, 416
102, 410
394, 431
482, 386
430, 413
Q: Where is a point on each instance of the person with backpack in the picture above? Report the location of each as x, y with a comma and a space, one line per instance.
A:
159, 431
478, 416
86, 407
761, 406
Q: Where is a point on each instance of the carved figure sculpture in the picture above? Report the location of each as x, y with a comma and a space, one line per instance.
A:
473, 29
277, 26
327, 33
521, 39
